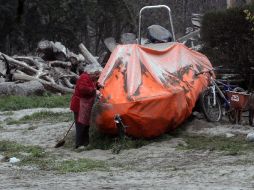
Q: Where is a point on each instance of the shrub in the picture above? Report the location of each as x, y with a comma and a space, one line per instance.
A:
229, 40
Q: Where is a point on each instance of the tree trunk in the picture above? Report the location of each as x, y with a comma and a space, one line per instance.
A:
249, 1
231, 3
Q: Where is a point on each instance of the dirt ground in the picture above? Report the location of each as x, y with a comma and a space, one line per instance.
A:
158, 165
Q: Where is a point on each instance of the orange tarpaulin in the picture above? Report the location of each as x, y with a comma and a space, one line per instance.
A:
152, 90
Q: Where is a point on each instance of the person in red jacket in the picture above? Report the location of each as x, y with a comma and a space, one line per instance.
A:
81, 104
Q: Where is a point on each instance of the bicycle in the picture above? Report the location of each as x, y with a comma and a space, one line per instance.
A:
210, 99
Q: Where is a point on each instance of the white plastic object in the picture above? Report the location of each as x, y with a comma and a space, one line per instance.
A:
14, 160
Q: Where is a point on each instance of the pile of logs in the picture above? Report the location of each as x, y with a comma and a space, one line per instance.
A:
54, 69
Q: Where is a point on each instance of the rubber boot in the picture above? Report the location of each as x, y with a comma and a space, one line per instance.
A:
82, 135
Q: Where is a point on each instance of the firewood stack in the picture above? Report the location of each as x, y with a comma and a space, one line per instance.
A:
55, 69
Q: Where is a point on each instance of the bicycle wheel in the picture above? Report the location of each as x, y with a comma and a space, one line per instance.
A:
212, 112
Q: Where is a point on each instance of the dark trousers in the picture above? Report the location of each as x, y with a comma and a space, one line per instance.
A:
82, 133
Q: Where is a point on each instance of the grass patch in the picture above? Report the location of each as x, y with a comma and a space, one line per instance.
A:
12, 149
105, 142
36, 156
12, 103
7, 113
230, 146
46, 116
99, 140
67, 166
81, 165
1, 125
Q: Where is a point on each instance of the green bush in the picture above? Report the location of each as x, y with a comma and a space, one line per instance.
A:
228, 39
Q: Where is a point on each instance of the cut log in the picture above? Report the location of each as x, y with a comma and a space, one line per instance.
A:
22, 89
128, 38
70, 76
59, 47
189, 36
28, 60
48, 85
62, 64
19, 64
72, 57
110, 43
91, 68
57, 73
88, 56
3, 69
32, 61
196, 20
51, 51
68, 83
2, 79
50, 79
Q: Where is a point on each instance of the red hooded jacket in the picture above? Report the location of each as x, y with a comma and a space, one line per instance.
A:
83, 98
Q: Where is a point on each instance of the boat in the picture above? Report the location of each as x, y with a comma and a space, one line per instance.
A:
152, 88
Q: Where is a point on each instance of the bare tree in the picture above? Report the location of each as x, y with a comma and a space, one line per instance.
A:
231, 3
249, 1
